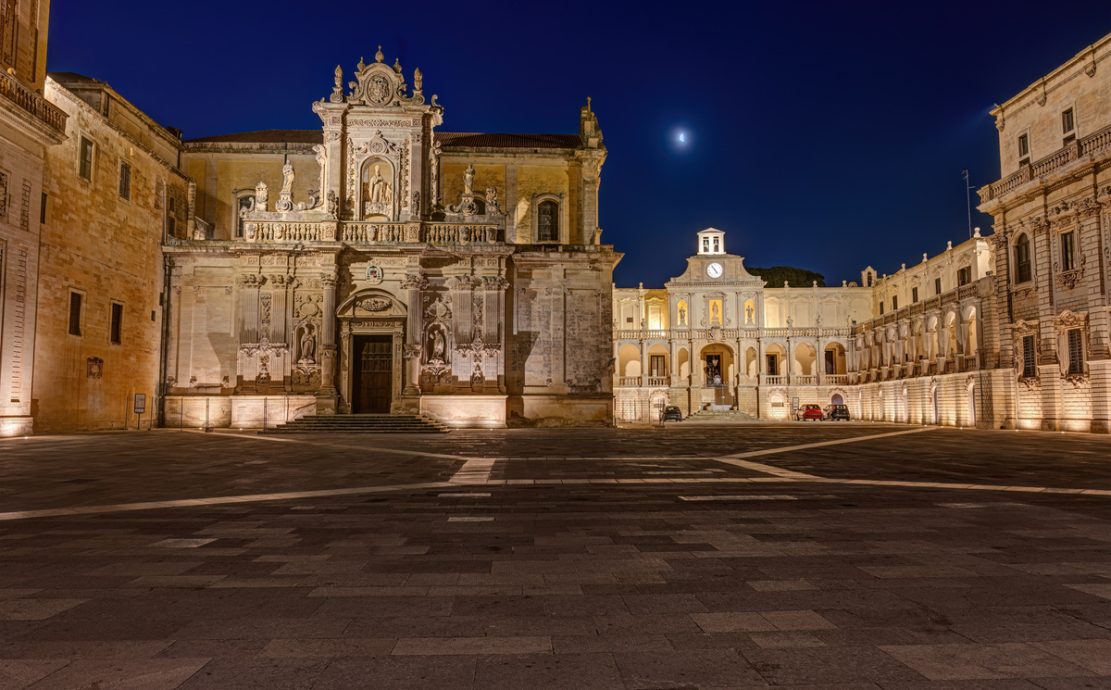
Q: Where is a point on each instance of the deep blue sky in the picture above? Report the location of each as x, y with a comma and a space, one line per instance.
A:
825, 135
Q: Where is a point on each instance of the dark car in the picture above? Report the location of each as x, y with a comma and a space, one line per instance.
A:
810, 413
836, 412
672, 414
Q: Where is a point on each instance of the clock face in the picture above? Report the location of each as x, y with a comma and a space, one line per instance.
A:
714, 270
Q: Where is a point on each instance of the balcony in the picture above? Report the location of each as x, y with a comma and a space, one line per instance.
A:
836, 379
801, 380
1092, 144
48, 114
770, 380
628, 382
658, 381
269, 230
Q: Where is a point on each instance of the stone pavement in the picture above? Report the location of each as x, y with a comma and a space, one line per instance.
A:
558, 559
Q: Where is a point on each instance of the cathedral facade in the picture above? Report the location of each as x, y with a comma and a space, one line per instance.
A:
380, 265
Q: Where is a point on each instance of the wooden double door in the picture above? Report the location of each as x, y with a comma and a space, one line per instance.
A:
373, 376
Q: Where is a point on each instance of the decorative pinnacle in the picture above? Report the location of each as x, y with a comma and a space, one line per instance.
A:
378, 56
588, 103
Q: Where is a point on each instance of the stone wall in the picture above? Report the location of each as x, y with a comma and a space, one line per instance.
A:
107, 249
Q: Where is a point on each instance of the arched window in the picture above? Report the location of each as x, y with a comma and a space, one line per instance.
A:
1022, 259
547, 221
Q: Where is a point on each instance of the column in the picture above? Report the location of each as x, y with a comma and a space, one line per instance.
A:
412, 285
643, 362
328, 341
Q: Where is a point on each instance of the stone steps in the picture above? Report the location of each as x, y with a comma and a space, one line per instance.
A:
361, 424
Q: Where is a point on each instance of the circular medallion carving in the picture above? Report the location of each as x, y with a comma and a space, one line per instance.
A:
378, 89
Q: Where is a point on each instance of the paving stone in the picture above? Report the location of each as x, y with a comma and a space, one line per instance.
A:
975, 662
549, 672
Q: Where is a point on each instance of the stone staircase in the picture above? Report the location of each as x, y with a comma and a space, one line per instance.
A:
720, 417
361, 424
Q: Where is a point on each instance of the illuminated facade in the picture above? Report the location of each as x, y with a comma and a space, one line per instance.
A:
1012, 330
380, 265
29, 126
911, 347
1052, 218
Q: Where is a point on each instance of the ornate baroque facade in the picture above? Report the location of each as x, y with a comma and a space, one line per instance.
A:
381, 265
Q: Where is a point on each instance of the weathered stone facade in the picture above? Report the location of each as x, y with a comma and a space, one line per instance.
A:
1052, 219
101, 257
29, 125
383, 266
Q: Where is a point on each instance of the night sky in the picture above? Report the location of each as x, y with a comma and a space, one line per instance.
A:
827, 136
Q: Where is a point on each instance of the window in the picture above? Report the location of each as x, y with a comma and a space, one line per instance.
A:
1076, 351
75, 313
881, 308
85, 162
243, 204
871, 280
964, 275
1068, 125
1068, 251
1029, 360
937, 286
125, 181
914, 295
547, 222
42, 210
895, 303
171, 215
117, 324
656, 366
1024, 149
1022, 259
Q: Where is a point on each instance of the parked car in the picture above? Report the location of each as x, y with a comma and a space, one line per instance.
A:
836, 412
810, 413
672, 414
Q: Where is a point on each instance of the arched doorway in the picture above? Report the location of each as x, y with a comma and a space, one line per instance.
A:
717, 373
837, 399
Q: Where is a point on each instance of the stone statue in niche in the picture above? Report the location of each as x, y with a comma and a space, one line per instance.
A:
682, 315
749, 311
439, 347
377, 192
308, 346
715, 313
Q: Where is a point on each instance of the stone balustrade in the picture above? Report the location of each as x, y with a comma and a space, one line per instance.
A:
41, 109
363, 233
1094, 143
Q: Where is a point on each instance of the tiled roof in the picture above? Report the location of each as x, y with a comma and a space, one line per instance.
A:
508, 141
265, 136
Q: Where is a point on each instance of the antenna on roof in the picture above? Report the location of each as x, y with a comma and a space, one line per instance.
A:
967, 199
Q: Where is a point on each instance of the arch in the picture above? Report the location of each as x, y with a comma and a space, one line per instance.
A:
774, 360
834, 359
718, 365
659, 361
749, 312
682, 314
684, 361
777, 404
752, 365
1024, 271
628, 357
806, 356
971, 340
936, 408
549, 224
371, 302
836, 399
